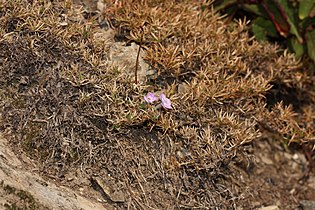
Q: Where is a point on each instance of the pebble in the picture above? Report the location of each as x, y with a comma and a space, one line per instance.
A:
307, 205
273, 207
311, 182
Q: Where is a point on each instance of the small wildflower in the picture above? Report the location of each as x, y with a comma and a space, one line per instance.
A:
150, 97
165, 102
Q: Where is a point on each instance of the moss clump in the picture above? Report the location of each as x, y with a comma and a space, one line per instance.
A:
18, 199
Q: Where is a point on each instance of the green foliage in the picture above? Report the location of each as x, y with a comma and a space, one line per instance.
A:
290, 21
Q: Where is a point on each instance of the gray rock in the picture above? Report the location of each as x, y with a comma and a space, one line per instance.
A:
125, 58
307, 205
273, 207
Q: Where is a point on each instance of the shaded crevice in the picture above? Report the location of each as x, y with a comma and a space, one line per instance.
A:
288, 95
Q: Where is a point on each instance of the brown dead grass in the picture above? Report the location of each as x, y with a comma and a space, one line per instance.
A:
221, 63
68, 108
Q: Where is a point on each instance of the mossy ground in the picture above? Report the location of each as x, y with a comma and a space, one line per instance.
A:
18, 199
70, 109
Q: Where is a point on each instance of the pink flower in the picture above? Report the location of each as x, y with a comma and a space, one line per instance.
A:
165, 102
150, 97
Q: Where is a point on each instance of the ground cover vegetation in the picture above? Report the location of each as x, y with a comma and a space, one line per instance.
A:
290, 23
69, 109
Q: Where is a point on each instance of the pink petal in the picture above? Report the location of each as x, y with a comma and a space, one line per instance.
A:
165, 102
150, 97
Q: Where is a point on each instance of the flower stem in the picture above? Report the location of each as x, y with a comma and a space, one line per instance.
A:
137, 60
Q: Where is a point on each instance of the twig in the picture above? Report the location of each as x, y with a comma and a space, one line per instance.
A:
137, 60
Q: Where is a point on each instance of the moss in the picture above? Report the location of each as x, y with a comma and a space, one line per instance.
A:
27, 198
22, 199
8, 189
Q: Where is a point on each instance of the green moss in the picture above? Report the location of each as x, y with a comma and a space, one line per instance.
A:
28, 198
9, 189
24, 199
12, 206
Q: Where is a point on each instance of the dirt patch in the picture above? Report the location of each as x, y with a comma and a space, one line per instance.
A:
278, 177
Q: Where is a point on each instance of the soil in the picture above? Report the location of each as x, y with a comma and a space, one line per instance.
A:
272, 177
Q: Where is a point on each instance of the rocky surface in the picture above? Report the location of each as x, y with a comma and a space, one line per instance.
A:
18, 182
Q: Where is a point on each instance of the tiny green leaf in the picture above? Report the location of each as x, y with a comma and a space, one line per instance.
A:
310, 43
255, 9
312, 12
259, 32
223, 4
291, 18
296, 47
305, 8
262, 28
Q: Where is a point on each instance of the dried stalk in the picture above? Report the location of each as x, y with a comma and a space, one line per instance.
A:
137, 60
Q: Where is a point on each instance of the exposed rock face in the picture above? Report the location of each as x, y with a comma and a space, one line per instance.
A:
125, 58
15, 177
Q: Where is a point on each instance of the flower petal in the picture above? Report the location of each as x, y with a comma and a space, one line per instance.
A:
165, 102
150, 97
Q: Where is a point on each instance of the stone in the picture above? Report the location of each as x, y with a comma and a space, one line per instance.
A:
311, 182
307, 205
265, 159
273, 207
125, 58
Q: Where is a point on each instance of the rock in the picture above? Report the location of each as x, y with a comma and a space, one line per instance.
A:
109, 190
105, 36
287, 155
125, 58
311, 182
307, 205
45, 193
265, 159
269, 208
90, 5
299, 158
100, 5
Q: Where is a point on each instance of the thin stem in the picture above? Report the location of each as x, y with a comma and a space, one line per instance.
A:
137, 60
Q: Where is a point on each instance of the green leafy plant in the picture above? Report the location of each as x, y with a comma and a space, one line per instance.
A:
290, 21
